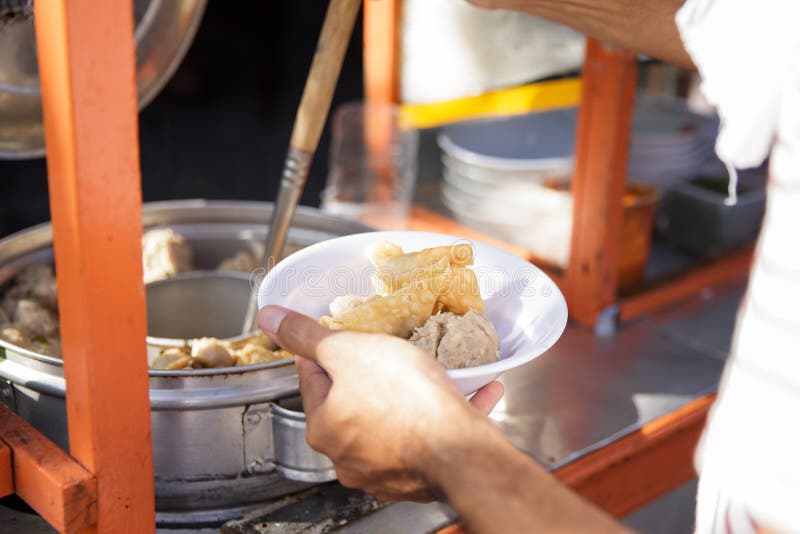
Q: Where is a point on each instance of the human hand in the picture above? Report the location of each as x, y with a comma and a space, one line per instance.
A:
376, 405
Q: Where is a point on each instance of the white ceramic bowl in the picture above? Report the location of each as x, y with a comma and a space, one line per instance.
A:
525, 306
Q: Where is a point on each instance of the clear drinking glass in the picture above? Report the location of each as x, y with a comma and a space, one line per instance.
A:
373, 166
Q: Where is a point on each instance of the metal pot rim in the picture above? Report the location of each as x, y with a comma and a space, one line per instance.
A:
52, 360
58, 362
152, 212
222, 370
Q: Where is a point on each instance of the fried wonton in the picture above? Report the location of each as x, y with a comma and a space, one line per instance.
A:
397, 314
462, 294
459, 255
410, 289
388, 280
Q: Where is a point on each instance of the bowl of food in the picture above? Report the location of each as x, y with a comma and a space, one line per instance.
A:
478, 310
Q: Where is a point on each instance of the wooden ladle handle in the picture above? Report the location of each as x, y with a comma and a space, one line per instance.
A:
322, 79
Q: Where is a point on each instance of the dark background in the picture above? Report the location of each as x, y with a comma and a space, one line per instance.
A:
221, 127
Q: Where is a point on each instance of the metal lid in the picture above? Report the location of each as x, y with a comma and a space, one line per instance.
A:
164, 31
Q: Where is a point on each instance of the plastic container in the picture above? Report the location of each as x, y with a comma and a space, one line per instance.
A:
639, 204
693, 216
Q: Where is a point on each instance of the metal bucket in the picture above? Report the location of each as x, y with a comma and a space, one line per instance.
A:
220, 445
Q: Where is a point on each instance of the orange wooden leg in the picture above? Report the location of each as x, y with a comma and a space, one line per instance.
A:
87, 71
381, 88
601, 158
51, 482
382, 51
6, 477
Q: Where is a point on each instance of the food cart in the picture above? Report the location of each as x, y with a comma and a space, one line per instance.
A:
615, 410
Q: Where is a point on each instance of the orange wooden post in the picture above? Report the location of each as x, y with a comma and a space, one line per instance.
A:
381, 88
87, 71
601, 157
52, 483
382, 51
6, 477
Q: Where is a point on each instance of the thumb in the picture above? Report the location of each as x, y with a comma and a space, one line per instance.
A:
333, 351
294, 332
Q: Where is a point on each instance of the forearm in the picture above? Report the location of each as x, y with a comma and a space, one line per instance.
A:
496, 488
643, 26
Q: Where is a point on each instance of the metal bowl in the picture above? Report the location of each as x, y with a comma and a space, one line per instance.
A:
164, 31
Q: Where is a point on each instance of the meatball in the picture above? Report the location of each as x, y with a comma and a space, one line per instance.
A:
16, 336
165, 253
260, 339
458, 341
39, 284
212, 352
243, 262
171, 360
252, 354
10, 299
37, 320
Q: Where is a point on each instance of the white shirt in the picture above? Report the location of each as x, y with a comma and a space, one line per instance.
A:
748, 53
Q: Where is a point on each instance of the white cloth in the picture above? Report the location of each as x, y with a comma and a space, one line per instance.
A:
748, 54
451, 49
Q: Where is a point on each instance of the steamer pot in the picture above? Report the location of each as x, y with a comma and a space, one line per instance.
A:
223, 439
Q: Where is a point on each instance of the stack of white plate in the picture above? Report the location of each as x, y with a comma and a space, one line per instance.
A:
495, 169
669, 143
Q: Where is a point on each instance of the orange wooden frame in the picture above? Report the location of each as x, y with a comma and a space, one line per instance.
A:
51, 482
6, 470
601, 159
382, 51
87, 72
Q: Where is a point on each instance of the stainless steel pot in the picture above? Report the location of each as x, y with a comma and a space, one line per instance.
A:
222, 439
164, 31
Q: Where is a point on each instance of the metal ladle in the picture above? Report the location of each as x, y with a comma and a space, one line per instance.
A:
308, 125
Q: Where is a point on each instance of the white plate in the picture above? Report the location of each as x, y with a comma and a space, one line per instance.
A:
525, 306
540, 141
493, 176
525, 198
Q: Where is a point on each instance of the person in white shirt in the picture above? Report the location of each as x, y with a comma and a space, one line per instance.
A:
418, 437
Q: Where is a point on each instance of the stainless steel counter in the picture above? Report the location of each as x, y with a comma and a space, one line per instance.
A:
588, 391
